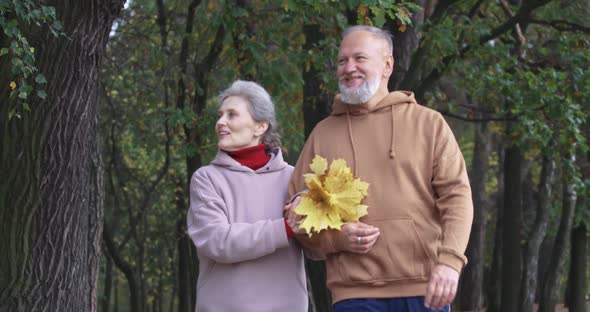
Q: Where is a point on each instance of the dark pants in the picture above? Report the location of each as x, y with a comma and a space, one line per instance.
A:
407, 304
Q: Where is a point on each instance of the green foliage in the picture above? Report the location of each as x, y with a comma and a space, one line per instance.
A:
15, 16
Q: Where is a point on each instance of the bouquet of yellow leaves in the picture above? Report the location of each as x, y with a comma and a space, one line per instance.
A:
334, 196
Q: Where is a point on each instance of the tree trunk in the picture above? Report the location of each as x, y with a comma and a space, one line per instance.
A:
531, 255
108, 283
316, 102
576, 295
470, 296
321, 299
512, 222
551, 284
51, 194
494, 275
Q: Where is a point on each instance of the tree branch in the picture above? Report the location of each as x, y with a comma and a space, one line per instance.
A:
562, 25
522, 16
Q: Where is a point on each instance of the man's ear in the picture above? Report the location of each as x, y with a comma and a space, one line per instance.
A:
261, 128
388, 66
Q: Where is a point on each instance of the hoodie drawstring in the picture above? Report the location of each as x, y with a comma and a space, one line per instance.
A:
391, 150
351, 139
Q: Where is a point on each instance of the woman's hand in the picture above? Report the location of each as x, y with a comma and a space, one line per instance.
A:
292, 218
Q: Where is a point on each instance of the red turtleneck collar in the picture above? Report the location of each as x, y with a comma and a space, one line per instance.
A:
253, 157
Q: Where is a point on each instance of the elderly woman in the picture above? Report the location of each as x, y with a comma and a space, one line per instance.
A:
247, 259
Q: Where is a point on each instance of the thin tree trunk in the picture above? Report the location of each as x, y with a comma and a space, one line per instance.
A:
494, 276
576, 300
551, 284
108, 283
531, 256
512, 222
116, 297
470, 295
51, 192
135, 301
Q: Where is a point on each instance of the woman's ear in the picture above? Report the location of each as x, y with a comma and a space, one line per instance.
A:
261, 128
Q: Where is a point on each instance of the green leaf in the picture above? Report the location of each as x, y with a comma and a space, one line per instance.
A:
40, 79
3, 51
42, 94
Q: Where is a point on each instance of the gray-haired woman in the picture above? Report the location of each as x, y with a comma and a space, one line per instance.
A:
247, 261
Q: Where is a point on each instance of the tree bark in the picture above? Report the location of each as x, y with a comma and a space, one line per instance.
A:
470, 296
531, 256
576, 295
512, 221
551, 284
51, 201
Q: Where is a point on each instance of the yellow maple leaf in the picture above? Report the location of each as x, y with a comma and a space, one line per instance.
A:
12, 85
334, 196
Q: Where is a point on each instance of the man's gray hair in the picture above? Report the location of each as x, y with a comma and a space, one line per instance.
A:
377, 32
260, 106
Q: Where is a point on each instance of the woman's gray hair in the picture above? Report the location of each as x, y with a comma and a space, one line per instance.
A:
260, 107
377, 32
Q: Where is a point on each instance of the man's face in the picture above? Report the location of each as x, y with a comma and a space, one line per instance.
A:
362, 63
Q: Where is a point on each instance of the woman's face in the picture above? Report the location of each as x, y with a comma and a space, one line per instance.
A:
235, 127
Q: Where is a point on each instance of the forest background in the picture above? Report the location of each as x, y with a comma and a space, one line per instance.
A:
107, 108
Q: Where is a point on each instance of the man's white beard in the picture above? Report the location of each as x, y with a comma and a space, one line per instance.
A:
359, 95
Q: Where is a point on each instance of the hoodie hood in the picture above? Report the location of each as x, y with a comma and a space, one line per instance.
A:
275, 163
389, 102
392, 99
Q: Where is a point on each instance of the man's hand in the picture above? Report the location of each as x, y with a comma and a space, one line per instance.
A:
442, 287
357, 237
293, 218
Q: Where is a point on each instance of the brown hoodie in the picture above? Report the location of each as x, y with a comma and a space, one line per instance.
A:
419, 196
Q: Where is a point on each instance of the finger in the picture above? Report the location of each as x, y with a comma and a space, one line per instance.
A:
449, 294
367, 243
429, 294
437, 296
371, 239
445, 296
366, 230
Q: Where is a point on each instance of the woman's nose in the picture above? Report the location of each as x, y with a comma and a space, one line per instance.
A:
220, 120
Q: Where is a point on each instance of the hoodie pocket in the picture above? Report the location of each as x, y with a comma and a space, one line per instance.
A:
399, 254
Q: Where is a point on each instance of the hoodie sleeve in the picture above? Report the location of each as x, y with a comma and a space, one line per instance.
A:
453, 196
323, 243
224, 242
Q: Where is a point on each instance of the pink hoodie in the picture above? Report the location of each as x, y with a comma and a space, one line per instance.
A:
246, 262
